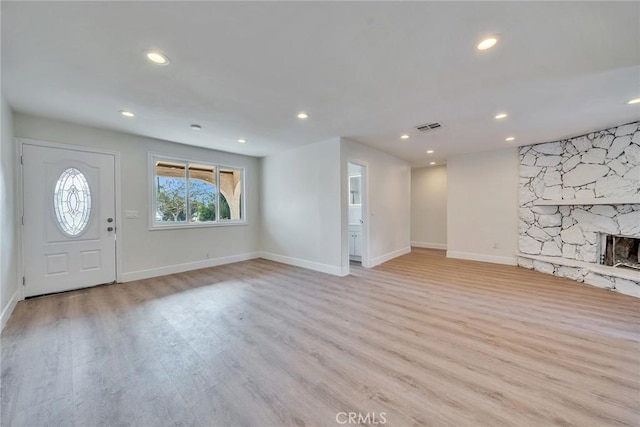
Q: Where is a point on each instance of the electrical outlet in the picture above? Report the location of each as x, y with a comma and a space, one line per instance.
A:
131, 214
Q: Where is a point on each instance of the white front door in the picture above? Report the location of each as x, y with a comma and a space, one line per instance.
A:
69, 219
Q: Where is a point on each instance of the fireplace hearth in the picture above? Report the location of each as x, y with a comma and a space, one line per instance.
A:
620, 251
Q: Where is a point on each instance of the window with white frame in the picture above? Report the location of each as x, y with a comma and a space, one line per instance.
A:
192, 193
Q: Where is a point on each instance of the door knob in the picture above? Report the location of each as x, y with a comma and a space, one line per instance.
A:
109, 228
109, 219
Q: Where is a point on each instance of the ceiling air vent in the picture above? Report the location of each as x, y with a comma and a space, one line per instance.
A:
429, 127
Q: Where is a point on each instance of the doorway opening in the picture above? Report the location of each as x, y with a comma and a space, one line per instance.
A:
356, 203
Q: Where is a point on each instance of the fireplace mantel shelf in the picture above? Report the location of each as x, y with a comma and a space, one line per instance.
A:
630, 200
623, 273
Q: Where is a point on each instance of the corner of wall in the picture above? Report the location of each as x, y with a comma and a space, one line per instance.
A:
389, 256
7, 310
9, 243
303, 263
493, 259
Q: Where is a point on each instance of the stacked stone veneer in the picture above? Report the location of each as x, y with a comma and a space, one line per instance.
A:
604, 164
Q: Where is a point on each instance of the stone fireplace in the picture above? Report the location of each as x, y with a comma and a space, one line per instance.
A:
579, 214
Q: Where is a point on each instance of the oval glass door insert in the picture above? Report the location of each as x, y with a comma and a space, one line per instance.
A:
72, 202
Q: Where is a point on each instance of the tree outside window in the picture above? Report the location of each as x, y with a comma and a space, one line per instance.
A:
188, 193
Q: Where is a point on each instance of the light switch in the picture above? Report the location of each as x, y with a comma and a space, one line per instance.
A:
131, 214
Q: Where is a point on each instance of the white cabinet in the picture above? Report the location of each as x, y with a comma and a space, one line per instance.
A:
355, 242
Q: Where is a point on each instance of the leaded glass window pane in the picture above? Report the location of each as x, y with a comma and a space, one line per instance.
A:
72, 202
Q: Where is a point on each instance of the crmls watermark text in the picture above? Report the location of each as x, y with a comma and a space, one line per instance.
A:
361, 418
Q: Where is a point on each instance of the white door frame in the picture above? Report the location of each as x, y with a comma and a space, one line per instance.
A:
47, 144
364, 182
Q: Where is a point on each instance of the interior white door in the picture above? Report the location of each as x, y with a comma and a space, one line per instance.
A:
69, 219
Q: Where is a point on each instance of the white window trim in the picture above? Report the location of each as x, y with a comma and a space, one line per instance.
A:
154, 226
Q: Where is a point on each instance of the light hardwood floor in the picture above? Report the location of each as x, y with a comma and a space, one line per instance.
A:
427, 340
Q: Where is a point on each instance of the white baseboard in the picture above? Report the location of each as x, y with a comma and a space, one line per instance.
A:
389, 256
6, 311
483, 258
180, 268
311, 265
429, 245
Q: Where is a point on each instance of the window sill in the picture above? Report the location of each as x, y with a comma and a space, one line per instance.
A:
184, 226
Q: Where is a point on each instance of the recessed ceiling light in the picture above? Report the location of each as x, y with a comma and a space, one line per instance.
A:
487, 43
405, 136
634, 101
509, 139
127, 113
429, 151
156, 57
302, 115
242, 141
196, 127
501, 116
432, 163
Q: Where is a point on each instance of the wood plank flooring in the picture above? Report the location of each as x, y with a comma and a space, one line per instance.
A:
426, 340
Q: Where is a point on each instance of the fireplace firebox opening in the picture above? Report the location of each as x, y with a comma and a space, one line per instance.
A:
620, 251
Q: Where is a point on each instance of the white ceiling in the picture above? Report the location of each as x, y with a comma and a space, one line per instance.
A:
367, 71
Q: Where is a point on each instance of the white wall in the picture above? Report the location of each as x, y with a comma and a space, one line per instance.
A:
482, 206
429, 207
9, 288
148, 253
300, 207
388, 193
